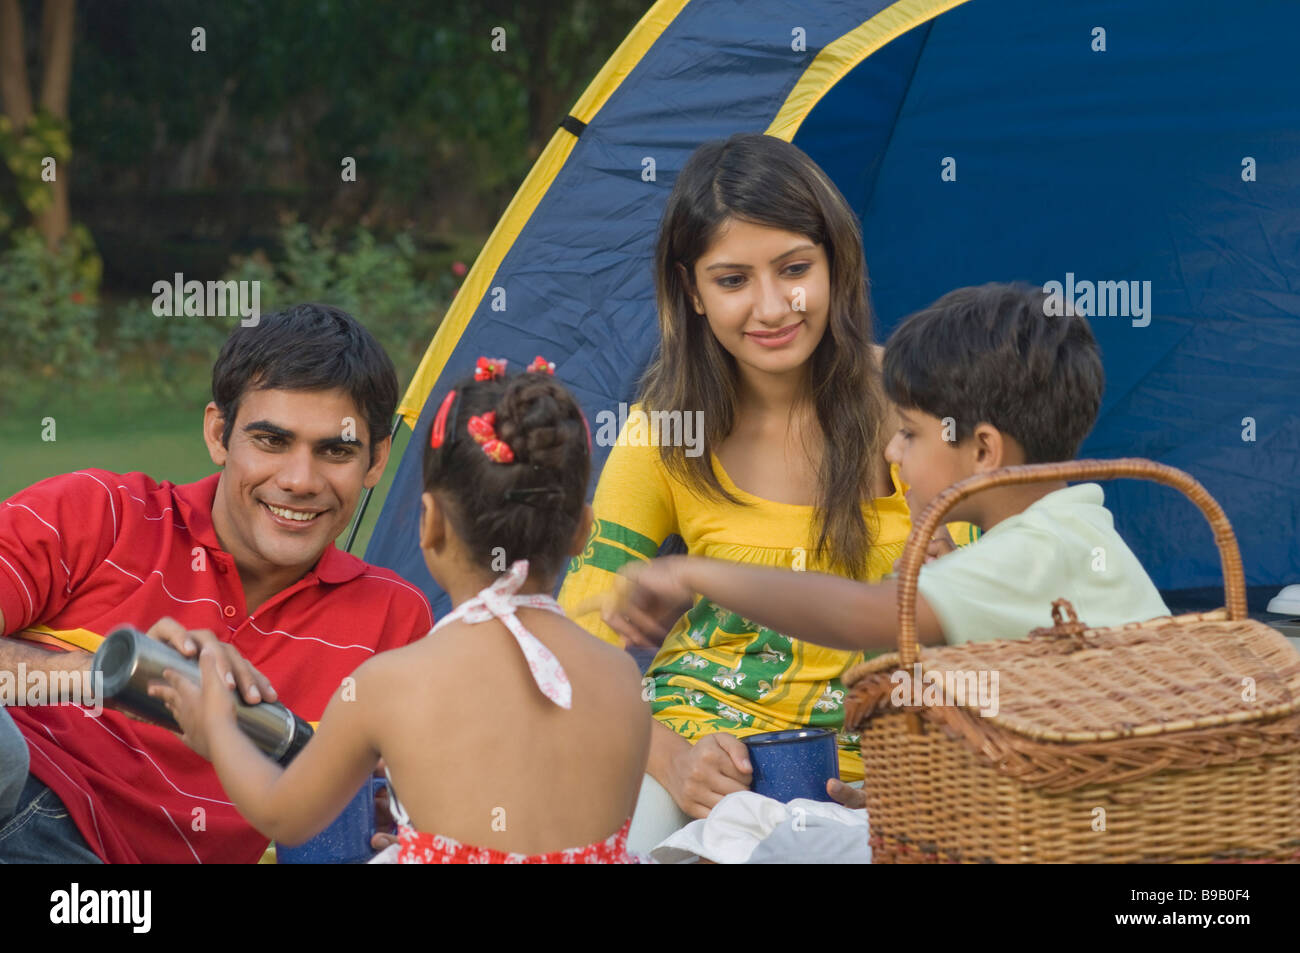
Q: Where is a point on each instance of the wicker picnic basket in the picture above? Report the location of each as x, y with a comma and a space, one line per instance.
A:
1171, 740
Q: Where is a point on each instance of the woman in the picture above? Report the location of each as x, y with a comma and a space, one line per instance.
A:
765, 329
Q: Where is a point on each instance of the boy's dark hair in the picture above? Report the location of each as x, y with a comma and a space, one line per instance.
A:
993, 355
531, 507
307, 347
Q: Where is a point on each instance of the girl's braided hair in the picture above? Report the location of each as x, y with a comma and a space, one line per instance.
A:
530, 507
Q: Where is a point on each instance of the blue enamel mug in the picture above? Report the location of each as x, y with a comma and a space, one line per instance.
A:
346, 840
794, 763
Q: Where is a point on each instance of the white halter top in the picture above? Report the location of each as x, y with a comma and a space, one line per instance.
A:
498, 601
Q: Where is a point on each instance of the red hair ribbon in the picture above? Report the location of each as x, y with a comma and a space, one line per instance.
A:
439, 433
489, 368
482, 427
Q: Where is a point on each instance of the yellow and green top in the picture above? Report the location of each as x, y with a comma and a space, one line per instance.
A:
716, 670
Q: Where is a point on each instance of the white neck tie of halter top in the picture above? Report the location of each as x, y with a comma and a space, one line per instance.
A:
500, 602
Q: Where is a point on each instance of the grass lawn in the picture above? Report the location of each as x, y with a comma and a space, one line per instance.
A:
125, 428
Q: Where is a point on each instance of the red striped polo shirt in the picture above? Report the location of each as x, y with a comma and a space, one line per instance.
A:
95, 550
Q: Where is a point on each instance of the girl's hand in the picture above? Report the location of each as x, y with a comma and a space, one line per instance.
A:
197, 708
647, 601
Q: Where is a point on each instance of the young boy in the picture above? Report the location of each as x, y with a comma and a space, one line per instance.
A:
982, 379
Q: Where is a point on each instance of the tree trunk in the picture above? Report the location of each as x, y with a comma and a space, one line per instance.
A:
14, 89
56, 56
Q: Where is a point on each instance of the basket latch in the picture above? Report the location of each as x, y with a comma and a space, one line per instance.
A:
1060, 629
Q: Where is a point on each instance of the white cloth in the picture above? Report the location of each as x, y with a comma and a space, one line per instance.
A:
656, 817
745, 827
1063, 545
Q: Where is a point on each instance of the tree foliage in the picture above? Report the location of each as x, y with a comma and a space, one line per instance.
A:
413, 90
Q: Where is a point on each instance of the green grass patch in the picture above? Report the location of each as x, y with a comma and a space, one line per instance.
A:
120, 426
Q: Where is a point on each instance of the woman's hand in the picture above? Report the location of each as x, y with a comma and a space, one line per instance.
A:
646, 601
849, 796
940, 545
198, 709
707, 771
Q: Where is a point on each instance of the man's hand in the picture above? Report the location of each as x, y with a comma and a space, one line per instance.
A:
850, 797
707, 771
231, 668
197, 708
383, 813
647, 600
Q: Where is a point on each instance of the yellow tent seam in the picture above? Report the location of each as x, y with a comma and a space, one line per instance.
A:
837, 59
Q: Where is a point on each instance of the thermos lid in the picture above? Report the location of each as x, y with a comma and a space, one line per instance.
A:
115, 660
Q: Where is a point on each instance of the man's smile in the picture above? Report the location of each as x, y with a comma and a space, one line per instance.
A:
290, 516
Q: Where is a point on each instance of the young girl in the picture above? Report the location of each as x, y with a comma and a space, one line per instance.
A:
765, 331
509, 734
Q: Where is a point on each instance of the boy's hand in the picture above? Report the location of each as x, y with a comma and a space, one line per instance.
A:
197, 708
647, 599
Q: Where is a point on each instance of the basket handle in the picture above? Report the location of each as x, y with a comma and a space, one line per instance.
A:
923, 530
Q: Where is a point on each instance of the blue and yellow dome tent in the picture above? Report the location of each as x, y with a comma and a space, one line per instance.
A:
989, 140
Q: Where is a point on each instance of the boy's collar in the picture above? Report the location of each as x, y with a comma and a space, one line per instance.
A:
1079, 493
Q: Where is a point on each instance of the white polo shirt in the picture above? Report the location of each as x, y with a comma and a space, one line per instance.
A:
1064, 545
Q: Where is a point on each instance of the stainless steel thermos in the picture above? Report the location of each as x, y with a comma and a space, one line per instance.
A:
129, 660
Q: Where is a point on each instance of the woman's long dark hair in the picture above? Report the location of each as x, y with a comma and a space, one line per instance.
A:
767, 181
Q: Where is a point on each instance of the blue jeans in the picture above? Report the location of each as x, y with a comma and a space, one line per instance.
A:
13, 764
34, 825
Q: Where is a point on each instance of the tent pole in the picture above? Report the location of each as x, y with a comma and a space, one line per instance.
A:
365, 500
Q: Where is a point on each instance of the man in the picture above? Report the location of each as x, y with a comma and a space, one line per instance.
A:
245, 558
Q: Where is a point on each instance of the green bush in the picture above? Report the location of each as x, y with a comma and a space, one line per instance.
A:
377, 282
48, 313
23, 152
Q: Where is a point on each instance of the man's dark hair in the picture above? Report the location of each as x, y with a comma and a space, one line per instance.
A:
993, 355
309, 347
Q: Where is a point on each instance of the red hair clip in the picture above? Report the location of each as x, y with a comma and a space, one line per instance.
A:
439, 432
489, 368
482, 427
542, 365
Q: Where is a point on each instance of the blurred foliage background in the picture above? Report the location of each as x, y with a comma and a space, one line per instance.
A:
225, 162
